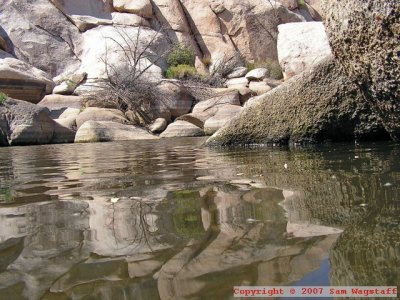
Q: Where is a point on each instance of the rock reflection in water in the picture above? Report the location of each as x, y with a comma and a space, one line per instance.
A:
368, 253
245, 241
196, 243
190, 223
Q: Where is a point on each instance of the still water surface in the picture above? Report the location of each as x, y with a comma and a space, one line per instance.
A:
172, 219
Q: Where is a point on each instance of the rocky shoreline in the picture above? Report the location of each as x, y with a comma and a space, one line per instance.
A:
340, 77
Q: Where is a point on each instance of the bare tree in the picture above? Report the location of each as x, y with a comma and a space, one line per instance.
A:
142, 227
128, 86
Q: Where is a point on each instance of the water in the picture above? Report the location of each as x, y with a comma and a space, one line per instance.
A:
171, 219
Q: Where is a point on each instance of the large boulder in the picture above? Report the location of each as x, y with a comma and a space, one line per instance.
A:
182, 129
41, 35
211, 105
129, 19
68, 118
23, 123
86, 14
206, 28
63, 133
207, 109
106, 131
171, 15
364, 35
222, 28
317, 105
251, 25
224, 114
139, 7
101, 114
172, 18
244, 92
92, 13
107, 46
301, 46
57, 104
21, 80
100, 9
175, 97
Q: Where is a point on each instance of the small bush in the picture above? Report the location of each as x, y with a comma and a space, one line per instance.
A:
181, 55
3, 98
181, 72
301, 3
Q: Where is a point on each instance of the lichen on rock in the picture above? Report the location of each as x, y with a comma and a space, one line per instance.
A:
317, 105
364, 35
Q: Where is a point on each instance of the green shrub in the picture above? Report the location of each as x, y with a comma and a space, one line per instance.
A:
181, 55
3, 98
181, 72
301, 3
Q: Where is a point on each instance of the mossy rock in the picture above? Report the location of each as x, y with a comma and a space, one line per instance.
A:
364, 36
317, 105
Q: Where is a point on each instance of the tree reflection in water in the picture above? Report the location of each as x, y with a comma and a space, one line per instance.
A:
195, 242
191, 223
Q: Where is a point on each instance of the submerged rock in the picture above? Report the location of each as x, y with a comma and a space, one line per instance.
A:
364, 35
319, 104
